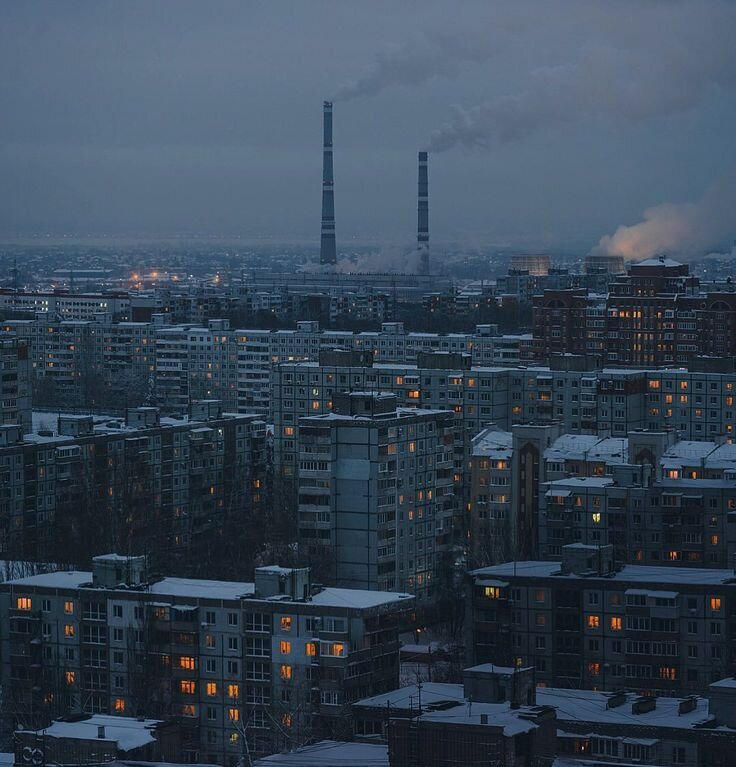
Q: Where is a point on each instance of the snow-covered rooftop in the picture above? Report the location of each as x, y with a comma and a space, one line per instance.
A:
129, 733
627, 574
330, 753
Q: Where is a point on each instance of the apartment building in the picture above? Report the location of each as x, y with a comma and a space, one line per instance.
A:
68, 306
181, 490
592, 727
437, 382
245, 667
15, 386
655, 315
378, 497
583, 623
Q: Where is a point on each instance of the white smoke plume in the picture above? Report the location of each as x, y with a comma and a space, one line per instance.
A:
434, 54
388, 260
664, 76
679, 229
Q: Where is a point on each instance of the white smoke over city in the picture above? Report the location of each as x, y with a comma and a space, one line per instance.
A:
620, 85
679, 229
434, 54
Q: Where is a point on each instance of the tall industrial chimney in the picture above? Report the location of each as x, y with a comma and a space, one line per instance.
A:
423, 215
327, 250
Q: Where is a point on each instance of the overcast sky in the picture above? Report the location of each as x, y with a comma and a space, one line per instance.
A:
551, 122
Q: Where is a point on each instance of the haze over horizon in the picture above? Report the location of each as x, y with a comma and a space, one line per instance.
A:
550, 122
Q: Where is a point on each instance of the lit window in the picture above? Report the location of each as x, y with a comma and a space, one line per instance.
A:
285, 647
211, 689
594, 621
414, 394
233, 714
69, 608
333, 649
233, 691
286, 719
286, 622
540, 619
412, 447
289, 431
492, 592
189, 709
69, 630
594, 669
668, 672
311, 649
285, 671
715, 603
23, 603
234, 738
616, 623
187, 686
399, 380
186, 661
596, 517
119, 706
714, 540
70, 677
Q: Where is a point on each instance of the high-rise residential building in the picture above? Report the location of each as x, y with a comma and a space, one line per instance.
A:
181, 490
378, 500
655, 315
15, 389
586, 623
245, 667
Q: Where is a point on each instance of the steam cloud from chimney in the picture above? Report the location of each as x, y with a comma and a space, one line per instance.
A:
616, 84
679, 229
434, 54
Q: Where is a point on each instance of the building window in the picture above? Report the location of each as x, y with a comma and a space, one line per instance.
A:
285, 671
70, 677
594, 621
715, 603
616, 623
211, 689
286, 622
668, 673
187, 662
311, 649
233, 714
492, 592
233, 691
594, 669
69, 608
69, 630
188, 686
23, 603
285, 647
333, 649
119, 706
539, 595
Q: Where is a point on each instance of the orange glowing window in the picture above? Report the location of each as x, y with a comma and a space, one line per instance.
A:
286, 719
594, 669
286, 622
69, 630
69, 608
715, 603
616, 623
233, 691
668, 672
23, 603
233, 714
594, 621
285, 647
311, 649
492, 592
285, 671
187, 662
188, 686
70, 677
289, 431
211, 689
413, 394
119, 706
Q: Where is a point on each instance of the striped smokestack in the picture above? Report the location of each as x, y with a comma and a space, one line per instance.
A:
327, 250
423, 215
